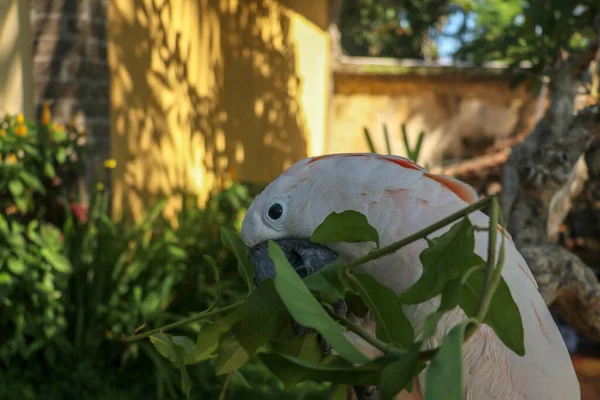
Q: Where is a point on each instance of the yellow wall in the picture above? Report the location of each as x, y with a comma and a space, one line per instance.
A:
205, 89
16, 88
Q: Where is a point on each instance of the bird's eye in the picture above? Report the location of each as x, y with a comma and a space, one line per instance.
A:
275, 211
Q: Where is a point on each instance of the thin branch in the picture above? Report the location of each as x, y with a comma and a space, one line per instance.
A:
392, 248
198, 317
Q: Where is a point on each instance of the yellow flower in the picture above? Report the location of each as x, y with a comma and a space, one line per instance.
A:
54, 127
21, 130
46, 114
20, 119
110, 163
100, 186
2, 133
10, 158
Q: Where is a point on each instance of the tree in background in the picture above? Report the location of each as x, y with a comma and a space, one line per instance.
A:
558, 41
390, 28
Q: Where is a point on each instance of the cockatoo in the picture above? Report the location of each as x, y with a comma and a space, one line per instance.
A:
399, 198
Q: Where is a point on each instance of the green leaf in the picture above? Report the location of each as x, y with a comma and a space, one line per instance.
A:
392, 326
348, 226
446, 258
240, 379
355, 305
261, 317
210, 337
16, 187
49, 170
338, 392
305, 309
21, 204
444, 377
232, 356
397, 375
451, 296
369, 140
16, 266
215, 269
329, 279
6, 282
61, 155
163, 343
503, 314
58, 261
186, 385
234, 243
304, 347
292, 370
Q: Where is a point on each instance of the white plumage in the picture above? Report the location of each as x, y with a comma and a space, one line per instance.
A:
400, 198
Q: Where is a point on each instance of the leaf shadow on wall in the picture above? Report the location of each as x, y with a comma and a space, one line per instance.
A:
201, 90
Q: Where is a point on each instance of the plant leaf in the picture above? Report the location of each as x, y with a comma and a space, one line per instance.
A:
165, 346
446, 258
445, 373
262, 316
32, 181
305, 309
15, 265
233, 242
210, 337
392, 326
304, 347
348, 226
218, 282
503, 314
16, 187
451, 296
292, 370
398, 374
356, 305
58, 261
329, 279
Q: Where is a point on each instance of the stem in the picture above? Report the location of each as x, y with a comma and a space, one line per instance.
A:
197, 317
392, 248
367, 337
225, 385
487, 273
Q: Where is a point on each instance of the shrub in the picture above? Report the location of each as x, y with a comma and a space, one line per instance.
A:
72, 281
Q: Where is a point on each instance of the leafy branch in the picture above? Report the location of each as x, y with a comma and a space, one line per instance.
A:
261, 325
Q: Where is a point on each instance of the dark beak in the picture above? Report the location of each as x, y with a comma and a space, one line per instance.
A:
305, 256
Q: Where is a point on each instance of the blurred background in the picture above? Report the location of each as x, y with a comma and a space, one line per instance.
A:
132, 129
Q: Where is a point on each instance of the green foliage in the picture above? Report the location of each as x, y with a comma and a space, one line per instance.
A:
261, 327
412, 153
72, 282
446, 367
394, 28
513, 31
535, 30
348, 226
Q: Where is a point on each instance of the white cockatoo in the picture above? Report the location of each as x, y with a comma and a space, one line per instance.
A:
399, 198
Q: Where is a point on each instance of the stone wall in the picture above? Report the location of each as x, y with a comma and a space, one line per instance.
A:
70, 68
461, 115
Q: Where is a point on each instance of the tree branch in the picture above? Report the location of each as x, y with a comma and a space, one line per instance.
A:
541, 175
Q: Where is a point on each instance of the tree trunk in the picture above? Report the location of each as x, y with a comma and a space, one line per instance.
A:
541, 176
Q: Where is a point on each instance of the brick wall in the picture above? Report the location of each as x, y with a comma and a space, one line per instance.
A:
70, 68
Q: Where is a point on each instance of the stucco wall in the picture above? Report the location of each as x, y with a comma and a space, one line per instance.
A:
459, 115
16, 88
208, 89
